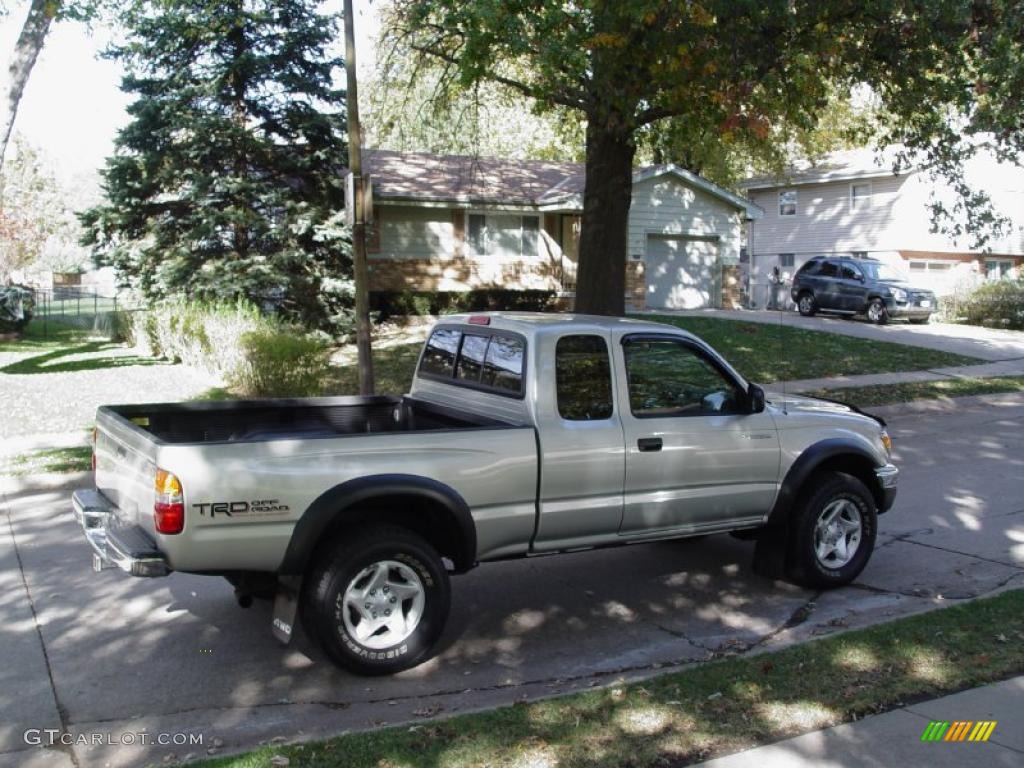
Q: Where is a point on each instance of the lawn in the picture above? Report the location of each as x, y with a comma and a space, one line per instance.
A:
865, 397
43, 336
762, 353
708, 709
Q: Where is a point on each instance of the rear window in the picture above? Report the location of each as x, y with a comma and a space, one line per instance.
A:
492, 362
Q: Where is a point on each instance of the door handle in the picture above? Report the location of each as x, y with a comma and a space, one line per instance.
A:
649, 444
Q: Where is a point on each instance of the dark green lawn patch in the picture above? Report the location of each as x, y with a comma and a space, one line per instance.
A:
884, 394
767, 353
393, 369
73, 459
706, 710
56, 360
39, 335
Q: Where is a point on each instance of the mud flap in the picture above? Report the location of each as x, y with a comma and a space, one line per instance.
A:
770, 553
286, 607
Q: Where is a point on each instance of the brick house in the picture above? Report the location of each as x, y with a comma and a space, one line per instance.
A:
457, 223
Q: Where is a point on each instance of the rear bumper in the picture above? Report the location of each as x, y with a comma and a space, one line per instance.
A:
114, 544
888, 479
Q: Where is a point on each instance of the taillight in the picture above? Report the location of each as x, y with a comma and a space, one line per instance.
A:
169, 509
95, 433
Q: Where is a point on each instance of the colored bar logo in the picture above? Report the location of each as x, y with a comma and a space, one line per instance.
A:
958, 730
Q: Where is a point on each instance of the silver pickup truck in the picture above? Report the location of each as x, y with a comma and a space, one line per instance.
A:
523, 434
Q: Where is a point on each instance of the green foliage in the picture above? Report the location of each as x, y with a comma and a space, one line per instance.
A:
999, 304
16, 307
281, 362
397, 303
233, 341
227, 182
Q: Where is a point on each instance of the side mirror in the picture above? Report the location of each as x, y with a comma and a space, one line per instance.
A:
755, 397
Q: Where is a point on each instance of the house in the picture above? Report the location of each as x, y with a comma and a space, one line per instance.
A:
853, 203
457, 223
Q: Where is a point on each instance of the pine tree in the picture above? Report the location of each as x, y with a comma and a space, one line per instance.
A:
226, 182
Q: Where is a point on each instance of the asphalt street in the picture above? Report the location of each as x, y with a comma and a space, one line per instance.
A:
106, 654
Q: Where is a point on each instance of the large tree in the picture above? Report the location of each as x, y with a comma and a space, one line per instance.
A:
735, 66
227, 181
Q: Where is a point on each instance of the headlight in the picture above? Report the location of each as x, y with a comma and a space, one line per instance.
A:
898, 293
887, 444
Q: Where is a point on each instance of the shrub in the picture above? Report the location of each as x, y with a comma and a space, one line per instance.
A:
998, 304
396, 303
16, 307
281, 362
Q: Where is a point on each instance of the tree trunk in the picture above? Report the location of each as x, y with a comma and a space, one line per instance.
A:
26, 51
608, 191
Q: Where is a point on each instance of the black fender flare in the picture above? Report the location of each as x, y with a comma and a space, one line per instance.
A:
336, 503
806, 463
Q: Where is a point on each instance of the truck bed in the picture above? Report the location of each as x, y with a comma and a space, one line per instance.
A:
251, 420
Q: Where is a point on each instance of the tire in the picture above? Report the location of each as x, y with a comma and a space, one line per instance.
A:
805, 304
395, 571
877, 313
813, 558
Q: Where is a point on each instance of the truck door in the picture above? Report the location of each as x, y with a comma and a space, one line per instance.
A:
581, 449
696, 458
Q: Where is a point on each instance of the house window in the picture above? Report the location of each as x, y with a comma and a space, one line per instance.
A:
786, 259
930, 267
860, 196
859, 254
787, 202
503, 234
997, 269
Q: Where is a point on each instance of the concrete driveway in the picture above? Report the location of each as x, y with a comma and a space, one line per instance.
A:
109, 655
989, 344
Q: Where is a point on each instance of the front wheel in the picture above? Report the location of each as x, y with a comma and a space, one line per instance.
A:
805, 304
877, 313
378, 603
833, 534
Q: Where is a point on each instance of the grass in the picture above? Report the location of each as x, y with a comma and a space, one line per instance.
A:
44, 336
706, 710
762, 353
72, 459
766, 353
884, 394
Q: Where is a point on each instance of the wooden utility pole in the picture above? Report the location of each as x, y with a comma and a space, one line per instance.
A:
355, 166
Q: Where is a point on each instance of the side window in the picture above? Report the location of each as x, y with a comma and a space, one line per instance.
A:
583, 378
669, 378
850, 272
809, 269
829, 269
439, 355
503, 364
471, 358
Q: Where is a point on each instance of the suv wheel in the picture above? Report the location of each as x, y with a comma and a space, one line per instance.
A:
833, 534
378, 603
805, 304
877, 312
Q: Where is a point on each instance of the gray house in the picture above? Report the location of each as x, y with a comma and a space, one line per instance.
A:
457, 223
853, 203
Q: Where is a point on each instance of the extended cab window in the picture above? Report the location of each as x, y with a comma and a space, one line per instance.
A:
583, 378
669, 378
439, 356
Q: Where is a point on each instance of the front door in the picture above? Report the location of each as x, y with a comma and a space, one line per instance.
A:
695, 456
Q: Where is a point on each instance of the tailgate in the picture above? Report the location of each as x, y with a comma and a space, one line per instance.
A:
126, 467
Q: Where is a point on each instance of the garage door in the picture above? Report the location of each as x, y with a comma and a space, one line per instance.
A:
680, 272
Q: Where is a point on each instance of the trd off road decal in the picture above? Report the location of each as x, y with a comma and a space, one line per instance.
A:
255, 508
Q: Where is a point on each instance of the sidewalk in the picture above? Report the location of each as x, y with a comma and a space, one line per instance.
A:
894, 738
981, 371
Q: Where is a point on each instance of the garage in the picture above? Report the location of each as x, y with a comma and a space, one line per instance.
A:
682, 272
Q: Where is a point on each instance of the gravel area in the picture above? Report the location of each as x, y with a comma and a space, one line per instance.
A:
34, 400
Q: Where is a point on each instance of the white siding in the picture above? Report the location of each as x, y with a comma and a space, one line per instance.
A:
665, 206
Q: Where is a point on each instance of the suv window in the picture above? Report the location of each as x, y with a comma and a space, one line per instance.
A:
809, 269
670, 378
850, 272
829, 269
583, 378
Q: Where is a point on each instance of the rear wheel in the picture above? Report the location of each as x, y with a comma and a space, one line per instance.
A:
378, 603
805, 304
833, 534
877, 312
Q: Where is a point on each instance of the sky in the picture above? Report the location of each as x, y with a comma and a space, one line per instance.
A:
73, 105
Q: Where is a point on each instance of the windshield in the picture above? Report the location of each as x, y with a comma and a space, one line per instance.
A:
882, 271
